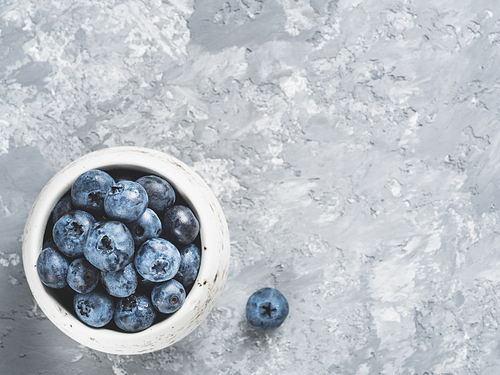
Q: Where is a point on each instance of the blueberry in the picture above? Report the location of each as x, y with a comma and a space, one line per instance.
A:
266, 309
82, 276
70, 232
109, 246
157, 260
125, 201
146, 227
62, 207
89, 189
95, 308
121, 283
168, 297
180, 224
190, 264
52, 267
134, 313
161, 194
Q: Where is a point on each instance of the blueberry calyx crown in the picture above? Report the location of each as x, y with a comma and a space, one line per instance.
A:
106, 244
267, 309
96, 198
85, 308
75, 229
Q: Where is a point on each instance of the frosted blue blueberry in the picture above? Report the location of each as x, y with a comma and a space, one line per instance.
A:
180, 224
157, 260
82, 276
266, 309
89, 189
125, 201
121, 283
95, 308
134, 313
190, 264
168, 297
161, 194
146, 227
62, 207
52, 267
70, 232
109, 246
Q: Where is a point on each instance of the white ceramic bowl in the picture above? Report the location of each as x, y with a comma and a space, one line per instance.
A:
214, 248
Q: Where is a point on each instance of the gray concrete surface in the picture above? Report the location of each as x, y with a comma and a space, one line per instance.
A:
352, 145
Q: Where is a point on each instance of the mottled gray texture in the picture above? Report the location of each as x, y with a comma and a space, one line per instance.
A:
352, 144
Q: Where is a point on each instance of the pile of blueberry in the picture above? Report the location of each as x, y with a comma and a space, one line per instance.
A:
121, 250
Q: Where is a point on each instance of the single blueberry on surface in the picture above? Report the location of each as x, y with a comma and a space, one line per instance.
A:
70, 232
157, 260
125, 201
52, 267
180, 224
161, 194
95, 308
109, 246
146, 227
134, 313
190, 264
266, 309
89, 189
62, 207
168, 297
82, 276
121, 283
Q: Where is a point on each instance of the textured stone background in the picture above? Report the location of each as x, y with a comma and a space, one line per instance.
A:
353, 146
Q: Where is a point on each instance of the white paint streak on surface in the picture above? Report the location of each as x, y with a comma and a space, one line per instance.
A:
9, 259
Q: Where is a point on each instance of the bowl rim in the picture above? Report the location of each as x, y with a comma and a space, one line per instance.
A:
215, 249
